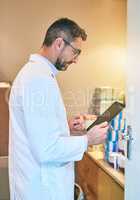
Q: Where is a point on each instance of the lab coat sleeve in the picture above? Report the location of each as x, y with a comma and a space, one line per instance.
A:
43, 131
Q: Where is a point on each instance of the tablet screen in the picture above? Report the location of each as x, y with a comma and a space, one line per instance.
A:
109, 114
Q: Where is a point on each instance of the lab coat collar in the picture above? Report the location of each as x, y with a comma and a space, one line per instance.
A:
44, 60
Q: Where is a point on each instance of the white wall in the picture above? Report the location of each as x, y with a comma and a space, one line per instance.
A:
23, 26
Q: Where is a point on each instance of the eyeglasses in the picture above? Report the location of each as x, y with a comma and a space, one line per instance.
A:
75, 50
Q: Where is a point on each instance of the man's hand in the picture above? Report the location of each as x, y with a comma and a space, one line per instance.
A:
97, 134
77, 124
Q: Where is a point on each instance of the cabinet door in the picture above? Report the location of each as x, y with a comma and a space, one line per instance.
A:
84, 176
92, 174
108, 189
89, 195
4, 121
96, 183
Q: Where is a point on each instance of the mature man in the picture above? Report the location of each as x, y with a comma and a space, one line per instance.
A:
42, 150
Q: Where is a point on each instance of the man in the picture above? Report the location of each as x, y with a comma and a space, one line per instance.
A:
42, 150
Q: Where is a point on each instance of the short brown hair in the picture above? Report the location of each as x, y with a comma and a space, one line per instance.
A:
66, 28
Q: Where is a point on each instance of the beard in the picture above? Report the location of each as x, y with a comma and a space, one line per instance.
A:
62, 65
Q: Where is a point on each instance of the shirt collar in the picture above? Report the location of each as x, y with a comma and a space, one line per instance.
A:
44, 59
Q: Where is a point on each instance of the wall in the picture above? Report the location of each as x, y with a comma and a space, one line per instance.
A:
23, 26
132, 190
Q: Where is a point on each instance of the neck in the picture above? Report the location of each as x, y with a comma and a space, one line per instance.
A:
48, 53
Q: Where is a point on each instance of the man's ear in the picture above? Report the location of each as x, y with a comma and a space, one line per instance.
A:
59, 43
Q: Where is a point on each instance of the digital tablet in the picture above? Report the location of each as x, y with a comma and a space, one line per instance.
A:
109, 114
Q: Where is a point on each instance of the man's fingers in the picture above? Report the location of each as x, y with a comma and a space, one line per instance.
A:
78, 121
79, 117
105, 130
103, 125
89, 117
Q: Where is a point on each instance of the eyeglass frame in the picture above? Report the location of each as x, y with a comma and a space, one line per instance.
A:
77, 52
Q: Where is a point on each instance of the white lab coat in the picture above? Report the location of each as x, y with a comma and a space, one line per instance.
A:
41, 150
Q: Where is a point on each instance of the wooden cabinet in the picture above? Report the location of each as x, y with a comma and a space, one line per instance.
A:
95, 182
4, 120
